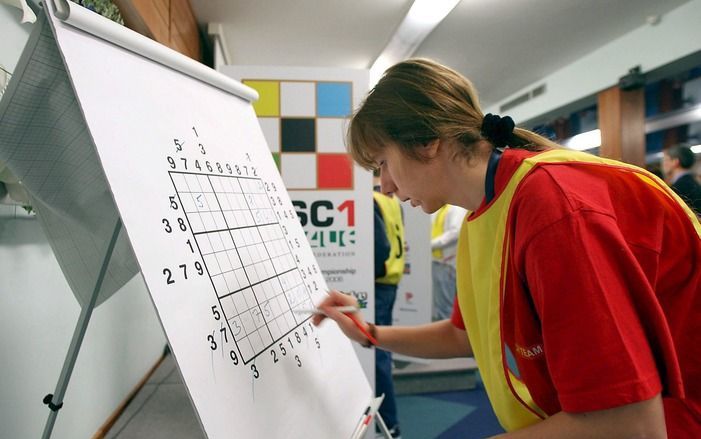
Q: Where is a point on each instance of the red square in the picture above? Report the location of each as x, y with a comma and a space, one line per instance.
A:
334, 171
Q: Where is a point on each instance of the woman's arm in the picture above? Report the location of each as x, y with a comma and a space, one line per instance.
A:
640, 420
434, 340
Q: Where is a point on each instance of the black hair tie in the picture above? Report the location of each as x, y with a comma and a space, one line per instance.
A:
497, 130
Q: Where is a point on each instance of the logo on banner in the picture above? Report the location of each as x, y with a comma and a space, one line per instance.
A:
333, 226
361, 297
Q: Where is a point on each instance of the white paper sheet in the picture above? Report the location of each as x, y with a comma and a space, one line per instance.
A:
212, 227
44, 141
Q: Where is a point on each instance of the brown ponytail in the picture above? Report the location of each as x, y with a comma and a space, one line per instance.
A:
418, 101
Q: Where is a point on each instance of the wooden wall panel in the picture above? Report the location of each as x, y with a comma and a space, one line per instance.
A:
170, 22
183, 27
622, 125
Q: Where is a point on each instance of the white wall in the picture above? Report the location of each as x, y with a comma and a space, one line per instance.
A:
14, 35
38, 314
678, 34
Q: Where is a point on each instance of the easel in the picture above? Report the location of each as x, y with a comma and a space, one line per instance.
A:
99, 282
55, 400
372, 412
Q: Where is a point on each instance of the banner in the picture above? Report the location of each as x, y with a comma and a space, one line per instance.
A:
304, 114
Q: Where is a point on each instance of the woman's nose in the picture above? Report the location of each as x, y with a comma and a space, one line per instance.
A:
387, 185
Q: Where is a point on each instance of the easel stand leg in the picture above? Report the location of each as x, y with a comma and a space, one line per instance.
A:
383, 427
373, 411
55, 400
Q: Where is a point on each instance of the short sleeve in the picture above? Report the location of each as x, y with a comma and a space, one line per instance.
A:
456, 316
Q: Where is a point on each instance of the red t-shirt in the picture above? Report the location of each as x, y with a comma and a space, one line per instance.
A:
602, 302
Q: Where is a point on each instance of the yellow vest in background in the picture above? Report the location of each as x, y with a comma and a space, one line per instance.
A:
394, 227
437, 229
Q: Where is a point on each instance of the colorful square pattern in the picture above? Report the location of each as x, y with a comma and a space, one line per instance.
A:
304, 124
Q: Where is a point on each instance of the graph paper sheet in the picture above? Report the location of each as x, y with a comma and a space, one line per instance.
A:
98, 132
46, 144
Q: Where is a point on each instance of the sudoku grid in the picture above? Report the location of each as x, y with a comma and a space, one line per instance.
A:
246, 255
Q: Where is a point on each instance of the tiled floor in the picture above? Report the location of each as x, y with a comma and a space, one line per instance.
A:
162, 409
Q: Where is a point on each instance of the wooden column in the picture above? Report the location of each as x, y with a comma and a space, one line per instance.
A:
622, 125
170, 22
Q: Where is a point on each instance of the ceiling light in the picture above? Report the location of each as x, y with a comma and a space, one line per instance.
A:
584, 141
422, 18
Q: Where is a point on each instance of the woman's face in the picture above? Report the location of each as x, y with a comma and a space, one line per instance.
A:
410, 179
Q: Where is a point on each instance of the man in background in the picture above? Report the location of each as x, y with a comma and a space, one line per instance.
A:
389, 268
677, 164
445, 228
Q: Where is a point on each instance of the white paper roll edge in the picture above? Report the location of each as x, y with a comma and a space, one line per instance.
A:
83, 19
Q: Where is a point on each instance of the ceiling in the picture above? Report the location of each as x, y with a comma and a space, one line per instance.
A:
501, 45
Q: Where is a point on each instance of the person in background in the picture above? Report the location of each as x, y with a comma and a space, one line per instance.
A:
579, 289
445, 229
677, 167
389, 268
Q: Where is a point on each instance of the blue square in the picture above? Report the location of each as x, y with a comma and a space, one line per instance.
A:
333, 99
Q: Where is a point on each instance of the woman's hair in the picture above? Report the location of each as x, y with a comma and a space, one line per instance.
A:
418, 101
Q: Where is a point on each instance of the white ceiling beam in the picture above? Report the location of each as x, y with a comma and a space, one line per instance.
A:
419, 22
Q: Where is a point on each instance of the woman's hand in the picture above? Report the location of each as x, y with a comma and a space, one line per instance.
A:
328, 307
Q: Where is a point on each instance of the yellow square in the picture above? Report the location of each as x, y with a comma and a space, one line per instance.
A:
269, 102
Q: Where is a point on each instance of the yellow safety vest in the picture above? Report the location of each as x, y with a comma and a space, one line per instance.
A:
392, 216
482, 267
437, 229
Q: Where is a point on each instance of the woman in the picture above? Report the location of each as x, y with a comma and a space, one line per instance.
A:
578, 280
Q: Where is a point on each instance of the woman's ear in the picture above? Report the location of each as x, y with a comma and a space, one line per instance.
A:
430, 150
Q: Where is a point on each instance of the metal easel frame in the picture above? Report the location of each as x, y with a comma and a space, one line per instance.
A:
55, 400
373, 411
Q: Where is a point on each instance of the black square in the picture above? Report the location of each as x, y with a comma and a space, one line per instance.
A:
297, 135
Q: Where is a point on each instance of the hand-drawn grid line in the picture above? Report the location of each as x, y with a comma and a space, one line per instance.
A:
282, 334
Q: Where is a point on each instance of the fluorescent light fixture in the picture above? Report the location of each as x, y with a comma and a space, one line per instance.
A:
584, 141
422, 18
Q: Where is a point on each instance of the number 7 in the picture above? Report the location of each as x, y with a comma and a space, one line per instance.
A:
184, 267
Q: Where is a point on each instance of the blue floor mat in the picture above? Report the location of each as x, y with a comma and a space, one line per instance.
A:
462, 414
